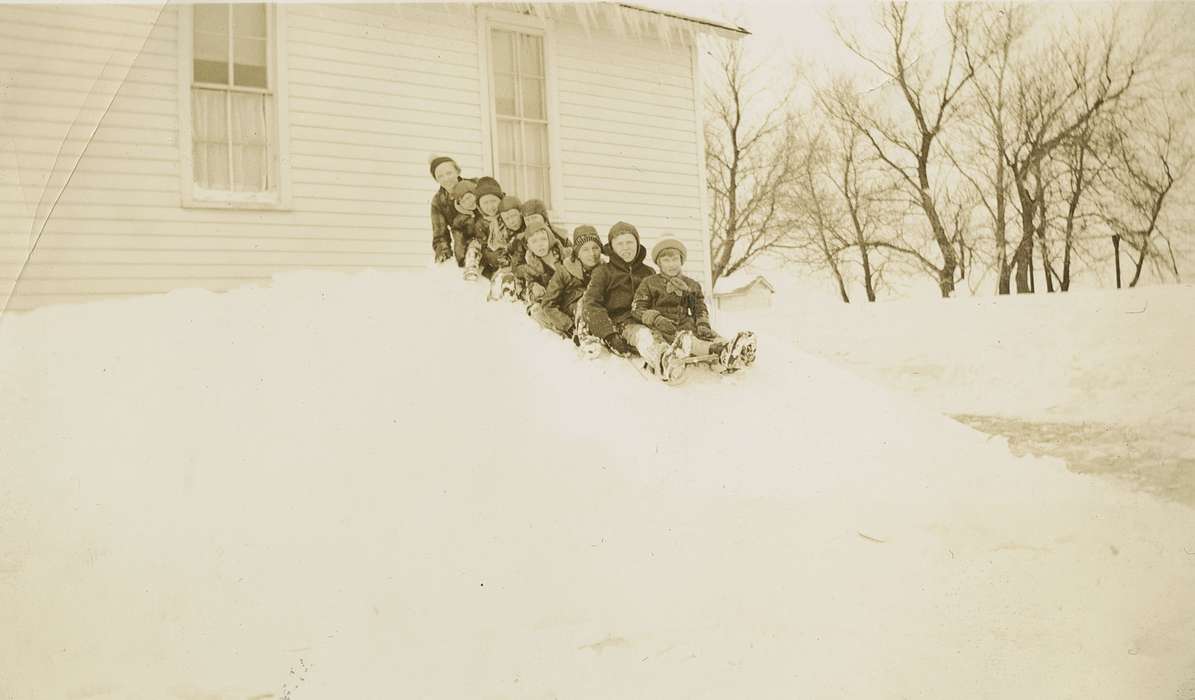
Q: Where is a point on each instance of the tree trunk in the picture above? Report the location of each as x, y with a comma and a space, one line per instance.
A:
841, 286
1040, 230
949, 259
1140, 263
1023, 256
1066, 265
1116, 248
867, 283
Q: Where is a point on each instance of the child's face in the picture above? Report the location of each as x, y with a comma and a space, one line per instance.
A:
538, 243
468, 201
512, 219
625, 246
447, 174
533, 219
489, 204
669, 262
590, 253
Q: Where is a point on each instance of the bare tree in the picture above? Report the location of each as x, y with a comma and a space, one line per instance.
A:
750, 160
930, 86
1056, 98
1148, 161
864, 197
817, 239
998, 31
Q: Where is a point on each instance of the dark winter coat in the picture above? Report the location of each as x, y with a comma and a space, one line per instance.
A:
606, 306
678, 299
567, 286
443, 215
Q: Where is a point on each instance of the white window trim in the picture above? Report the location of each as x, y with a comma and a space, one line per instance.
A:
487, 20
194, 196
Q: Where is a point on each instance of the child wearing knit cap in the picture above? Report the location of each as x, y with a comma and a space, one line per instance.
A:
487, 238
557, 308
443, 210
464, 207
606, 305
544, 256
533, 211
672, 306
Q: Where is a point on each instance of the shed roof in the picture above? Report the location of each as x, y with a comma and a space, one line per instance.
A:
737, 284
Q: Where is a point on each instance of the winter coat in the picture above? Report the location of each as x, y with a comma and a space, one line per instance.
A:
606, 305
678, 299
443, 213
535, 270
567, 286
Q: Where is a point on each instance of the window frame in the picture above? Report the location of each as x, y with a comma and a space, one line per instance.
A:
488, 20
279, 197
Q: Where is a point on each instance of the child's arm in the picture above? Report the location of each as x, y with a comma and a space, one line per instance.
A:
701, 313
593, 304
641, 305
556, 285
441, 239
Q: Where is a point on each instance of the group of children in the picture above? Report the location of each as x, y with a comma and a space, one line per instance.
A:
623, 304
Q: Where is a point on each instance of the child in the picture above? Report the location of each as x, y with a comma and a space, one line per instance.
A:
447, 173
533, 210
557, 308
489, 236
544, 256
672, 308
464, 204
606, 305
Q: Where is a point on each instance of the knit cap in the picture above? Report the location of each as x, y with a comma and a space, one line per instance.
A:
669, 244
488, 185
620, 228
509, 202
584, 234
440, 160
462, 188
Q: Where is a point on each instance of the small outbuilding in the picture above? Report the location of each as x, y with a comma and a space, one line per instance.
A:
743, 293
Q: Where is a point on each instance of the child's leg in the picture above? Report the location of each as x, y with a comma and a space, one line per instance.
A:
459, 244
552, 319
473, 257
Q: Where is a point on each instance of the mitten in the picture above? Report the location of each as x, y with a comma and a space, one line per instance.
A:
664, 325
618, 345
705, 332
442, 254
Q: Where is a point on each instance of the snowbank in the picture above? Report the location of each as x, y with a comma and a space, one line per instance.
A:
379, 485
1101, 355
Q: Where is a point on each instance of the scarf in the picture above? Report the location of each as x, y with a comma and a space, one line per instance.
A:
500, 236
676, 285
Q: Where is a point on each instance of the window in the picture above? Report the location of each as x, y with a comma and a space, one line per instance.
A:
521, 113
229, 90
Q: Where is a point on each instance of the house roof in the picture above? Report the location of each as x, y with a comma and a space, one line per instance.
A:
729, 30
635, 20
737, 284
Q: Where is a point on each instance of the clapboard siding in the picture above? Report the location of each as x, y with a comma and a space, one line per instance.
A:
91, 97
367, 106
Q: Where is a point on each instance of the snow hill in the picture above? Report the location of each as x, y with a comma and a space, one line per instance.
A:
383, 486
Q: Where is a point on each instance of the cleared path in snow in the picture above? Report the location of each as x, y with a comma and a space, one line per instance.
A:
380, 485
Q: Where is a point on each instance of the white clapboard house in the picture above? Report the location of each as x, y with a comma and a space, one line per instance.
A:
151, 147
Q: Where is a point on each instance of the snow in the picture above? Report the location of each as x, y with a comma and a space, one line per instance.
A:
380, 485
1091, 354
